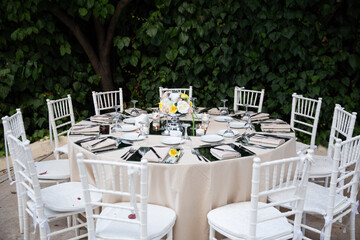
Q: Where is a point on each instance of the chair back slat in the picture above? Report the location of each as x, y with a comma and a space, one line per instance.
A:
342, 126
251, 98
107, 100
61, 118
305, 113
284, 175
110, 177
188, 91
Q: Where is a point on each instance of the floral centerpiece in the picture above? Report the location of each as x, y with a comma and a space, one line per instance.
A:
175, 102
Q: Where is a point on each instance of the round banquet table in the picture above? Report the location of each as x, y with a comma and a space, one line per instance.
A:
191, 187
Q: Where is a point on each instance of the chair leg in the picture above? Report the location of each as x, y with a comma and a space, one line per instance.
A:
352, 226
169, 235
303, 222
212, 234
326, 182
26, 226
20, 208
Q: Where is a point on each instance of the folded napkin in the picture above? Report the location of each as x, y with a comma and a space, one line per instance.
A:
224, 151
101, 144
266, 140
259, 116
81, 129
214, 111
102, 118
128, 111
142, 118
276, 127
161, 151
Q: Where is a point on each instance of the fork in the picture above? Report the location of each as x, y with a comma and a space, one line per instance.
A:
128, 154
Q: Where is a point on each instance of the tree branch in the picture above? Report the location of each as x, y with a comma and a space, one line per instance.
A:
114, 20
84, 42
100, 33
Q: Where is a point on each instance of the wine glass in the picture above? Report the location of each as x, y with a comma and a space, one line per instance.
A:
247, 113
228, 132
186, 139
134, 111
224, 110
116, 119
166, 131
193, 99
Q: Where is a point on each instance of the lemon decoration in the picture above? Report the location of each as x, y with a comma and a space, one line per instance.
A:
173, 152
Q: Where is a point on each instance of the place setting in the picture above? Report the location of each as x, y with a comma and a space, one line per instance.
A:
99, 144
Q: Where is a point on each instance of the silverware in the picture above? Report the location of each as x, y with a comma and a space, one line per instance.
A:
157, 155
102, 140
202, 156
129, 154
195, 153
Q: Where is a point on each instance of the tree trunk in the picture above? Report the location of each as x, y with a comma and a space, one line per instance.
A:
100, 61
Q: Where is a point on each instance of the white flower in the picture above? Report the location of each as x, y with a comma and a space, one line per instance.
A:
183, 107
174, 97
167, 102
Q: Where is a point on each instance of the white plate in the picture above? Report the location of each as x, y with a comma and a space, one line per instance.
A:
150, 115
132, 137
221, 132
222, 118
127, 128
237, 124
211, 138
172, 140
130, 120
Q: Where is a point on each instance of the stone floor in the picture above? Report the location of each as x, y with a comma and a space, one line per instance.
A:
9, 227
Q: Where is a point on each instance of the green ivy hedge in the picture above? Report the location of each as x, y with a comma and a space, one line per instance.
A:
308, 47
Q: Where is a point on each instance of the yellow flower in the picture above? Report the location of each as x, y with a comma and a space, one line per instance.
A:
184, 96
173, 152
161, 104
172, 109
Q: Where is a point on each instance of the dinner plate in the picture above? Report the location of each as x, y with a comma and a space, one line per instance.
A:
172, 140
130, 120
222, 118
237, 124
150, 115
211, 138
127, 128
133, 137
221, 132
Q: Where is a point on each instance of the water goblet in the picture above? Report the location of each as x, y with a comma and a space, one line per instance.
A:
224, 110
134, 111
228, 132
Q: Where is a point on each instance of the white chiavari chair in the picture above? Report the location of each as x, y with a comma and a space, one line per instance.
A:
342, 127
132, 219
39, 204
61, 118
251, 98
305, 114
260, 220
330, 203
188, 91
107, 100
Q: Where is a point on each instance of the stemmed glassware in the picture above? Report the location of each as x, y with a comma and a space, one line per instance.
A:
249, 127
186, 139
166, 131
134, 111
228, 132
193, 99
224, 110
116, 119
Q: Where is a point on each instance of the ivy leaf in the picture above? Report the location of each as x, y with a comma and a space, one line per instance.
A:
353, 61
152, 31
83, 12
183, 50
134, 60
171, 54
183, 37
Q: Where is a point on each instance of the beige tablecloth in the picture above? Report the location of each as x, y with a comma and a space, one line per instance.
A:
190, 187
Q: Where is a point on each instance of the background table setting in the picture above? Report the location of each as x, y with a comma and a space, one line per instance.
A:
196, 166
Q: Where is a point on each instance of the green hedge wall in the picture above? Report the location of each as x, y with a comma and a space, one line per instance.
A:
308, 47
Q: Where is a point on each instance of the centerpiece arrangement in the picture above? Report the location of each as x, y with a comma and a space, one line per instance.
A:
175, 102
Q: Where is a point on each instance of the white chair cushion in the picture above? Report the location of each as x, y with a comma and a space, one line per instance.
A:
235, 220
48, 213
63, 149
322, 166
53, 169
301, 146
160, 221
316, 201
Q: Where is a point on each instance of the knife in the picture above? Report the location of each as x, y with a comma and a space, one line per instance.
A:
102, 140
157, 155
225, 150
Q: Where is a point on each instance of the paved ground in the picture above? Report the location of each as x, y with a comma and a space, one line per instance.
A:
9, 216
